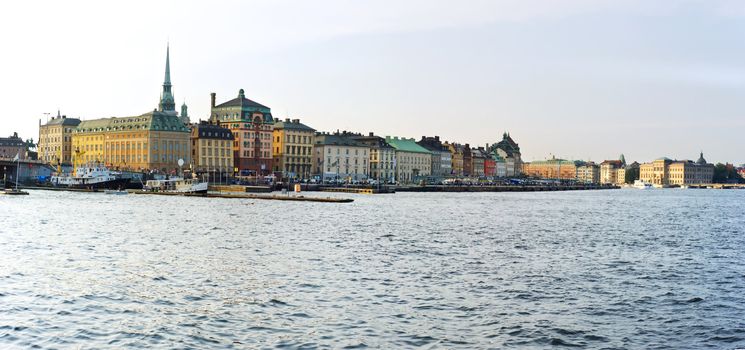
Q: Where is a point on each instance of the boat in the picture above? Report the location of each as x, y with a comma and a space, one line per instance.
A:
642, 185
91, 177
176, 185
13, 192
117, 192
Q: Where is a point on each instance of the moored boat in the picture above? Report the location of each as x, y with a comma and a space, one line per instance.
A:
642, 185
91, 177
176, 185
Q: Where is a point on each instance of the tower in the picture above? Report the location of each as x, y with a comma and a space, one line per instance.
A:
184, 117
166, 97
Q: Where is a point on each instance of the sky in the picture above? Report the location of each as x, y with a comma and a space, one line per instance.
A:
575, 79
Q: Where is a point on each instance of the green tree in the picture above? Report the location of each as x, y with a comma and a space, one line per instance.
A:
726, 174
632, 174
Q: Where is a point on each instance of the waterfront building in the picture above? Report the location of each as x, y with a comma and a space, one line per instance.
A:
609, 171
587, 172
338, 157
211, 149
413, 162
490, 165
666, 172
461, 159
252, 126
382, 157
500, 165
293, 148
153, 140
508, 149
551, 169
55, 140
441, 157
14, 145
477, 162
620, 176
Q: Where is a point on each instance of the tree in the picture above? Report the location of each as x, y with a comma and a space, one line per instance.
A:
726, 174
632, 174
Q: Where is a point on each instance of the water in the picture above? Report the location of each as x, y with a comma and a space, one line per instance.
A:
594, 269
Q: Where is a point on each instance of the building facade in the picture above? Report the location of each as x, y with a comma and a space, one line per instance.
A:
477, 161
609, 171
253, 127
14, 145
559, 169
442, 166
588, 172
211, 149
509, 150
667, 172
462, 162
55, 140
382, 157
413, 162
152, 141
338, 157
293, 148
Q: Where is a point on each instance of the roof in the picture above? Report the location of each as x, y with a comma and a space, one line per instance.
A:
508, 145
336, 140
406, 145
241, 101
211, 131
12, 142
293, 124
63, 121
372, 141
155, 121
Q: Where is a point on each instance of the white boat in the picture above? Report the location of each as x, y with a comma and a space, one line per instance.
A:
92, 177
117, 192
177, 185
642, 185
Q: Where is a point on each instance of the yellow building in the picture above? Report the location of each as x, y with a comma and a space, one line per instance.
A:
667, 172
55, 140
551, 169
152, 141
293, 148
211, 149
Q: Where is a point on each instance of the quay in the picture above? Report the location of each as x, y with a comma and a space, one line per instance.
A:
249, 196
357, 190
504, 188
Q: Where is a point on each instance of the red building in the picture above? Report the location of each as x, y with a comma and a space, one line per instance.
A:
252, 126
490, 167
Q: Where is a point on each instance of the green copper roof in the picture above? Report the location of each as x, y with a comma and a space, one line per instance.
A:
155, 121
292, 125
406, 145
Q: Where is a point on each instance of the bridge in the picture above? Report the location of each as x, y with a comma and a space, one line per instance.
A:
29, 170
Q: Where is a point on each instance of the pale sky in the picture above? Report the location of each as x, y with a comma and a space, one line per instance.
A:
579, 79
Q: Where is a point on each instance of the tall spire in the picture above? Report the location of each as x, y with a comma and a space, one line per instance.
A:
168, 65
166, 97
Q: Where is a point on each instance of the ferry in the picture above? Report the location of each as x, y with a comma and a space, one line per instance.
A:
91, 177
176, 185
642, 185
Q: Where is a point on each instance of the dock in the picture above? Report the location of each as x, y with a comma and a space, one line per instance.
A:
356, 190
249, 196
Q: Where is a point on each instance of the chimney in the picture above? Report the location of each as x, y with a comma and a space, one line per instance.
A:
371, 134
296, 121
287, 120
437, 138
212, 96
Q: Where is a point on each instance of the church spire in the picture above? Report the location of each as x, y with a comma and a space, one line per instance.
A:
168, 65
166, 97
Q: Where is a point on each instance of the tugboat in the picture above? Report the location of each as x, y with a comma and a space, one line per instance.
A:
92, 177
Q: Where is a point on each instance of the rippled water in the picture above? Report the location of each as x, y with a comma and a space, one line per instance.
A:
593, 269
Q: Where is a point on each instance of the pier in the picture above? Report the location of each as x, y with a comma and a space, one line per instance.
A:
249, 196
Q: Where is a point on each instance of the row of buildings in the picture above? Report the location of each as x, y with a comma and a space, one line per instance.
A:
242, 138
662, 172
